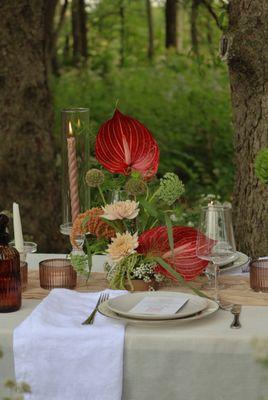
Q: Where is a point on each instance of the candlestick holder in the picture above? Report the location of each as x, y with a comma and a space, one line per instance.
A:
258, 272
75, 163
57, 273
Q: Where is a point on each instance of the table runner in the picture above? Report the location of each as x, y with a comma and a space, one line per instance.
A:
237, 289
61, 358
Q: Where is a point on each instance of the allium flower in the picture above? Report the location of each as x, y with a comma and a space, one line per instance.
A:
95, 225
261, 166
121, 209
136, 187
122, 245
171, 188
94, 177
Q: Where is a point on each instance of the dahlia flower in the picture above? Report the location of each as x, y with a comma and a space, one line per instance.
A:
122, 246
121, 209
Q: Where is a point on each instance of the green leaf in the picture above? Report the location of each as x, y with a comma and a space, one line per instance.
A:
149, 208
170, 233
179, 277
85, 221
114, 225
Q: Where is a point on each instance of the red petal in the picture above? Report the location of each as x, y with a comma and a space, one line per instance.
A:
124, 145
155, 242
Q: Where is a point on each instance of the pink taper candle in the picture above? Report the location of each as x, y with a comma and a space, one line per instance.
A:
73, 175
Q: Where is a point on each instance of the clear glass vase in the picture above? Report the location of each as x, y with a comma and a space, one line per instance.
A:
75, 145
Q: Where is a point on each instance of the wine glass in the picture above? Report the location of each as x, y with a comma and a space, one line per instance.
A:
215, 242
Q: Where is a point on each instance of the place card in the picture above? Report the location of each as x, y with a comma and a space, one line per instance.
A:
160, 305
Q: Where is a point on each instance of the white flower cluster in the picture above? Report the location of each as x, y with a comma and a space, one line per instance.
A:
145, 271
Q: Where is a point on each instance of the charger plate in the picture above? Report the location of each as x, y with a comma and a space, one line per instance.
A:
122, 305
211, 308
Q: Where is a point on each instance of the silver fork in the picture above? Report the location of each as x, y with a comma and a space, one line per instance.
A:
103, 297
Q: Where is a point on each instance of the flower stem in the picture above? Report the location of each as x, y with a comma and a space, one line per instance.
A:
101, 195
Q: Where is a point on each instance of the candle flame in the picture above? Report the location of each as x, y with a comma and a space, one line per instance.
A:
78, 123
70, 129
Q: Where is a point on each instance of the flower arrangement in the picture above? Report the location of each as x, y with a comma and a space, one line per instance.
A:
136, 232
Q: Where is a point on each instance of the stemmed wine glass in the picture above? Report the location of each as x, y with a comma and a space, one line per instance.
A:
215, 242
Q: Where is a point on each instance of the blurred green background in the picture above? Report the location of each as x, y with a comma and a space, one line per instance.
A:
180, 91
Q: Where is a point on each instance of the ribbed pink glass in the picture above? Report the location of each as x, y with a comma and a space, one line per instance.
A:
259, 275
23, 274
57, 273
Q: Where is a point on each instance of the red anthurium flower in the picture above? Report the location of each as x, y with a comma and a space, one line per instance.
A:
155, 242
124, 145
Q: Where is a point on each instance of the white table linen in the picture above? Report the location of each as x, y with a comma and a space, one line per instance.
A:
62, 359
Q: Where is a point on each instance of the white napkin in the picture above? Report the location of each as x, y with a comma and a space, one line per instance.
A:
63, 360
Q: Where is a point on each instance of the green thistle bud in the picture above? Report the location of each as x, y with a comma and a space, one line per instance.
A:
94, 177
261, 165
171, 188
135, 187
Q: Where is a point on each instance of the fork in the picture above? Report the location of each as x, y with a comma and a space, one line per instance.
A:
103, 297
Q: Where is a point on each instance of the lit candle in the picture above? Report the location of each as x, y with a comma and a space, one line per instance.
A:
18, 237
73, 175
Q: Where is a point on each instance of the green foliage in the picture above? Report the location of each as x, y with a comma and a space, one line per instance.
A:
261, 165
184, 104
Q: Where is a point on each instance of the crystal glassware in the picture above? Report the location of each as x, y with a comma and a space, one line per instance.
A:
57, 273
10, 280
227, 209
75, 163
258, 272
23, 274
215, 241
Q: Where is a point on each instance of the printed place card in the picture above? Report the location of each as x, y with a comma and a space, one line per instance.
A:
159, 305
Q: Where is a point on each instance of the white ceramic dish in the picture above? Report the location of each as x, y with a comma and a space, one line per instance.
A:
238, 263
211, 308
122, 305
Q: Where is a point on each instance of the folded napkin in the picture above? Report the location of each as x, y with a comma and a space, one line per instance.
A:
63, 360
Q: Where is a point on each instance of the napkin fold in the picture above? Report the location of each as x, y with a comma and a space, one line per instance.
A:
62, 359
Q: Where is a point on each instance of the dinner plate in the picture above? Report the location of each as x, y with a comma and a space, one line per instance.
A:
122, 305
239, 262
211, 308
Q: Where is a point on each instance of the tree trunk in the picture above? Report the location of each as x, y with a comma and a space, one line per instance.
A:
171, 13
150, 51
49, 14
247, 55
193, 22
79, 30
180, 11
122, 33
27, 155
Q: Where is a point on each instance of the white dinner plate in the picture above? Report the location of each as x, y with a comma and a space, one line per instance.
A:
211, 308
241, 260
122, 305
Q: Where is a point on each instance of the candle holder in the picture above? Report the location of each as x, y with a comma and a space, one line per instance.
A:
75, 163
258, 272
23, 274
28, 247
57, 273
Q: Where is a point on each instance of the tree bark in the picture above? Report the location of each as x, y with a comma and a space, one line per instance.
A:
247, 56
79, 31
150, 50
122, 33
180, 18
27, 155
193, 22
49, 15
171, 14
